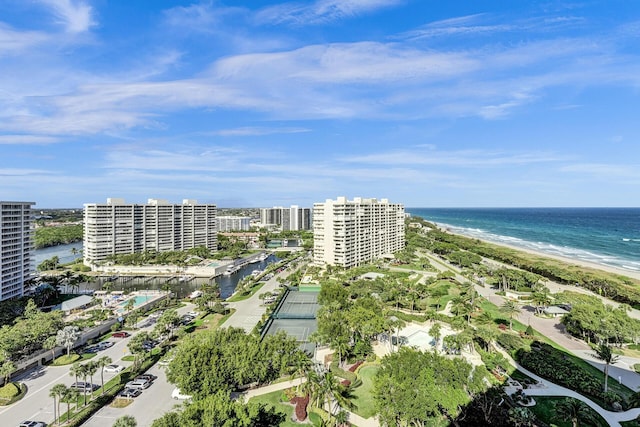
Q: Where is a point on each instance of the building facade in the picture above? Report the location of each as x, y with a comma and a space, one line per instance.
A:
116, 227
292, 218
348, 233
16, 248
233, 223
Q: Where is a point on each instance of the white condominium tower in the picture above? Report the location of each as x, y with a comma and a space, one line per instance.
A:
16, 245
234, 223
293, 218
348, 233
120, 228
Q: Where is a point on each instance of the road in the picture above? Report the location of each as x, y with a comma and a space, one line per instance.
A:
36, 404
249, 312
552, 328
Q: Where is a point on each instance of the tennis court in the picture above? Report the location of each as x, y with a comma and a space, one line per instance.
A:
300, 329
298, 305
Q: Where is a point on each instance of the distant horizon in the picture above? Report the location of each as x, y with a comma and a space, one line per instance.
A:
35, 207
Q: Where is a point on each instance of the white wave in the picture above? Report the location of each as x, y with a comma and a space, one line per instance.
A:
548, 248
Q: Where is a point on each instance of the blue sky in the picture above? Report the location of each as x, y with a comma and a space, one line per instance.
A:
257, 103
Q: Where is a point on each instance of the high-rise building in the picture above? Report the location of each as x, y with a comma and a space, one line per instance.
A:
16, 246
349, 233
292, 218
120, 228
233, 223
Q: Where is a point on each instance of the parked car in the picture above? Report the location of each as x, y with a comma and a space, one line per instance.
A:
148, 377
130, 393
81, 385
113, 368
32, 424
120, 334
105, 345
139, 384
192, 314
91, 349
178, 395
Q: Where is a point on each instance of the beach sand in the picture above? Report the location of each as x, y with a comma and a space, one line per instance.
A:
580, 263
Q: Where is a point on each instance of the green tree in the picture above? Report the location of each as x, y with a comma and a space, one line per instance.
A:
603, 352
435, 332
56, 392
100, 364
70, 395
50, 344
7, 367
125, 421
575, 410
511, 309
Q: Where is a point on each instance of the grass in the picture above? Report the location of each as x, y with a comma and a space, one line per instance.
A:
241, 297
544, 410
273, 399
119, 402
66, 360
363, 394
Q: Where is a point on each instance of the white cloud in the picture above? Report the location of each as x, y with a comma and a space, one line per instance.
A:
75, 15
27, 139
258, 131
13, 41
320, 11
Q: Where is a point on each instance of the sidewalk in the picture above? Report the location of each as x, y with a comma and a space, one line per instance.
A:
354, 419
547, 388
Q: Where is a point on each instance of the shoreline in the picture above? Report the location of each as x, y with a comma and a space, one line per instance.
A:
567, 260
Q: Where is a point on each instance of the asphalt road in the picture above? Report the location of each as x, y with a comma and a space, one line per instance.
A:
36, 404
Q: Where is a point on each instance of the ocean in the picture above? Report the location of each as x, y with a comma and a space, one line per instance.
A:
605, 236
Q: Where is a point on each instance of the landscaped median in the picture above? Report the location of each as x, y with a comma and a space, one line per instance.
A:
77, 415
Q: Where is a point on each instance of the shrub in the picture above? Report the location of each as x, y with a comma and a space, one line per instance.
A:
9, 391
511, 342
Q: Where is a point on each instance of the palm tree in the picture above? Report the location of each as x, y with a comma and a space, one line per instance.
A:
541, 298
302, 365
604, 353
67, 336
50, 344
84, 373
125, 421
510, 308
575, 410
70, 394
434, 331
341, 419
101, 363
56, 392
92, 368
76, 370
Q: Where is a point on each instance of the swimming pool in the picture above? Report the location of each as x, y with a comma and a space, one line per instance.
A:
213, 264
138, 300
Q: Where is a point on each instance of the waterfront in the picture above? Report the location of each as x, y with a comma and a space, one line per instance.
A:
63, 252
604, 236
181, 285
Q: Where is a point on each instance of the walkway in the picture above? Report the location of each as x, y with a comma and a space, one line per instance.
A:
354, 419
547, 388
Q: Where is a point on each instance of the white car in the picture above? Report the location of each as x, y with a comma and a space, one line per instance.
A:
177, 394
113, 368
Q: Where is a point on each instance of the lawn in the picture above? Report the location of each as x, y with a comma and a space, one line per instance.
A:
364, 393
273, 399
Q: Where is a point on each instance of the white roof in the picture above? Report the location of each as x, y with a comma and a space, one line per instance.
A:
555, 310
76, 302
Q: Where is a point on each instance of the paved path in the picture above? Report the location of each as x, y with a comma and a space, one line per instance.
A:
354, 419
547, 388
249, 311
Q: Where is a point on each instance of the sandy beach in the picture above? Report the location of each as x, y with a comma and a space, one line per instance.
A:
581, 263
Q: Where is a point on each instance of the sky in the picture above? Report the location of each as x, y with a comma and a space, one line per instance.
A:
260, 103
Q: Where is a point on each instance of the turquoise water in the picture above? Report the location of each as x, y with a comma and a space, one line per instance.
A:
137, 301
606, 236
213, 264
